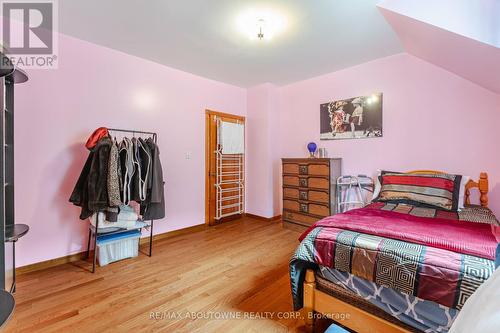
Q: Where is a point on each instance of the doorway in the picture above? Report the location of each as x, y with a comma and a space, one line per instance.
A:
224, 167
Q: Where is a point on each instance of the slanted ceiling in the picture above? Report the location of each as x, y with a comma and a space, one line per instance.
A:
461, 36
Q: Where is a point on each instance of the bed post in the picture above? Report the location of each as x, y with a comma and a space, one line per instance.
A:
309, 285
482, 186
483, 189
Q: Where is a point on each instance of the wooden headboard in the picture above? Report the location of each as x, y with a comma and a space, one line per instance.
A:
481, 185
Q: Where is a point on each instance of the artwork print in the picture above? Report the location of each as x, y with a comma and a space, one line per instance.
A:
353, 118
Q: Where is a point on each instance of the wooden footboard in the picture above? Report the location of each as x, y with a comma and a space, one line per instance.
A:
317, 302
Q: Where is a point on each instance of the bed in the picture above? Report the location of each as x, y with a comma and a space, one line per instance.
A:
368, 272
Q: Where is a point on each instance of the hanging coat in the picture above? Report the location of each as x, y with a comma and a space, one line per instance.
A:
114, 177
97, 135
146, 155
153, 208
91, 190
127, 168
142, 161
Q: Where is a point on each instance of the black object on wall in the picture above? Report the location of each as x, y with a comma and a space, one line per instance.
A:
9, 76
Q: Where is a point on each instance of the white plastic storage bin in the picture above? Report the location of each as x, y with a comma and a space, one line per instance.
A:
111, 248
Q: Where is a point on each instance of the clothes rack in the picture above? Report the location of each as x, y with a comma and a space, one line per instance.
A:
154, 135
93, 231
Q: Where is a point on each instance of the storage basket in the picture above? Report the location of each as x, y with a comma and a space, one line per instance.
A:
111, 248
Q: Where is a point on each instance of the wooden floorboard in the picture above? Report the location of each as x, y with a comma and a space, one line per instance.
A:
191, 284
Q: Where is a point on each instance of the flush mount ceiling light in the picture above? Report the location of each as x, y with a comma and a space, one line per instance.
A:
261, 24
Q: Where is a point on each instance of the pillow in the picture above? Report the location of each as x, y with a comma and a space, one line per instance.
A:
461, 196
441, 191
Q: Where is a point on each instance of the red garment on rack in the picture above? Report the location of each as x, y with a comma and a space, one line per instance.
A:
97, 135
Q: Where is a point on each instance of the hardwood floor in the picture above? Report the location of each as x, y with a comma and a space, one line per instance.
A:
239, 268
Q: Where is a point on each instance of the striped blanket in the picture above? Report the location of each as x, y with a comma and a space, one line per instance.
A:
427, 257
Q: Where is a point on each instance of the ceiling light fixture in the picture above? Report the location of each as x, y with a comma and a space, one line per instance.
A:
262, 24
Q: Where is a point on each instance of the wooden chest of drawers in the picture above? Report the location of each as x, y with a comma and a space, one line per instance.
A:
309, 189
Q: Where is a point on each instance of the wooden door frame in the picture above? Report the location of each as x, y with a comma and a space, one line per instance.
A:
208, 153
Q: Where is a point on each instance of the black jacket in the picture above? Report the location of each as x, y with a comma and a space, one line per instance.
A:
91, 191
154, 206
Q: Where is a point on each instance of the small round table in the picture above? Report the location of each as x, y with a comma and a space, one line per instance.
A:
7, 304
12, 234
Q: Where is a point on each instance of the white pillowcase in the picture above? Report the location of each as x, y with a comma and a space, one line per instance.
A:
376, 190
461, 193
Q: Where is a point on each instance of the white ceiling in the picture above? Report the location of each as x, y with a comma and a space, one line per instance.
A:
200, 36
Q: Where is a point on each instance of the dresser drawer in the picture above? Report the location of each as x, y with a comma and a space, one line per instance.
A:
310, 195
291, 168
318, 170
322, 183
318, 196
307, 208
291, 181
312, 169
292, 193
299, 218
312, 182
319, 210
292, 205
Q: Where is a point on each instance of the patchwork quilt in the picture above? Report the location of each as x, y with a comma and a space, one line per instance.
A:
424, 315
439, 258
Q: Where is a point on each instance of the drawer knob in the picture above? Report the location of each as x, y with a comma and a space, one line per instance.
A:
303, 169
303, 195
303, 208
303, 182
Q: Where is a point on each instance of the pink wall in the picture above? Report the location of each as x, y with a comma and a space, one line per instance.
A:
94, 86
261, 148
433, 119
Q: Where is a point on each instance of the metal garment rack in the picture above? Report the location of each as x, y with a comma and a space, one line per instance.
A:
93, 231
235, 183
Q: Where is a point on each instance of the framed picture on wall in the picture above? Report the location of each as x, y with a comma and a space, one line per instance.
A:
353, 118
